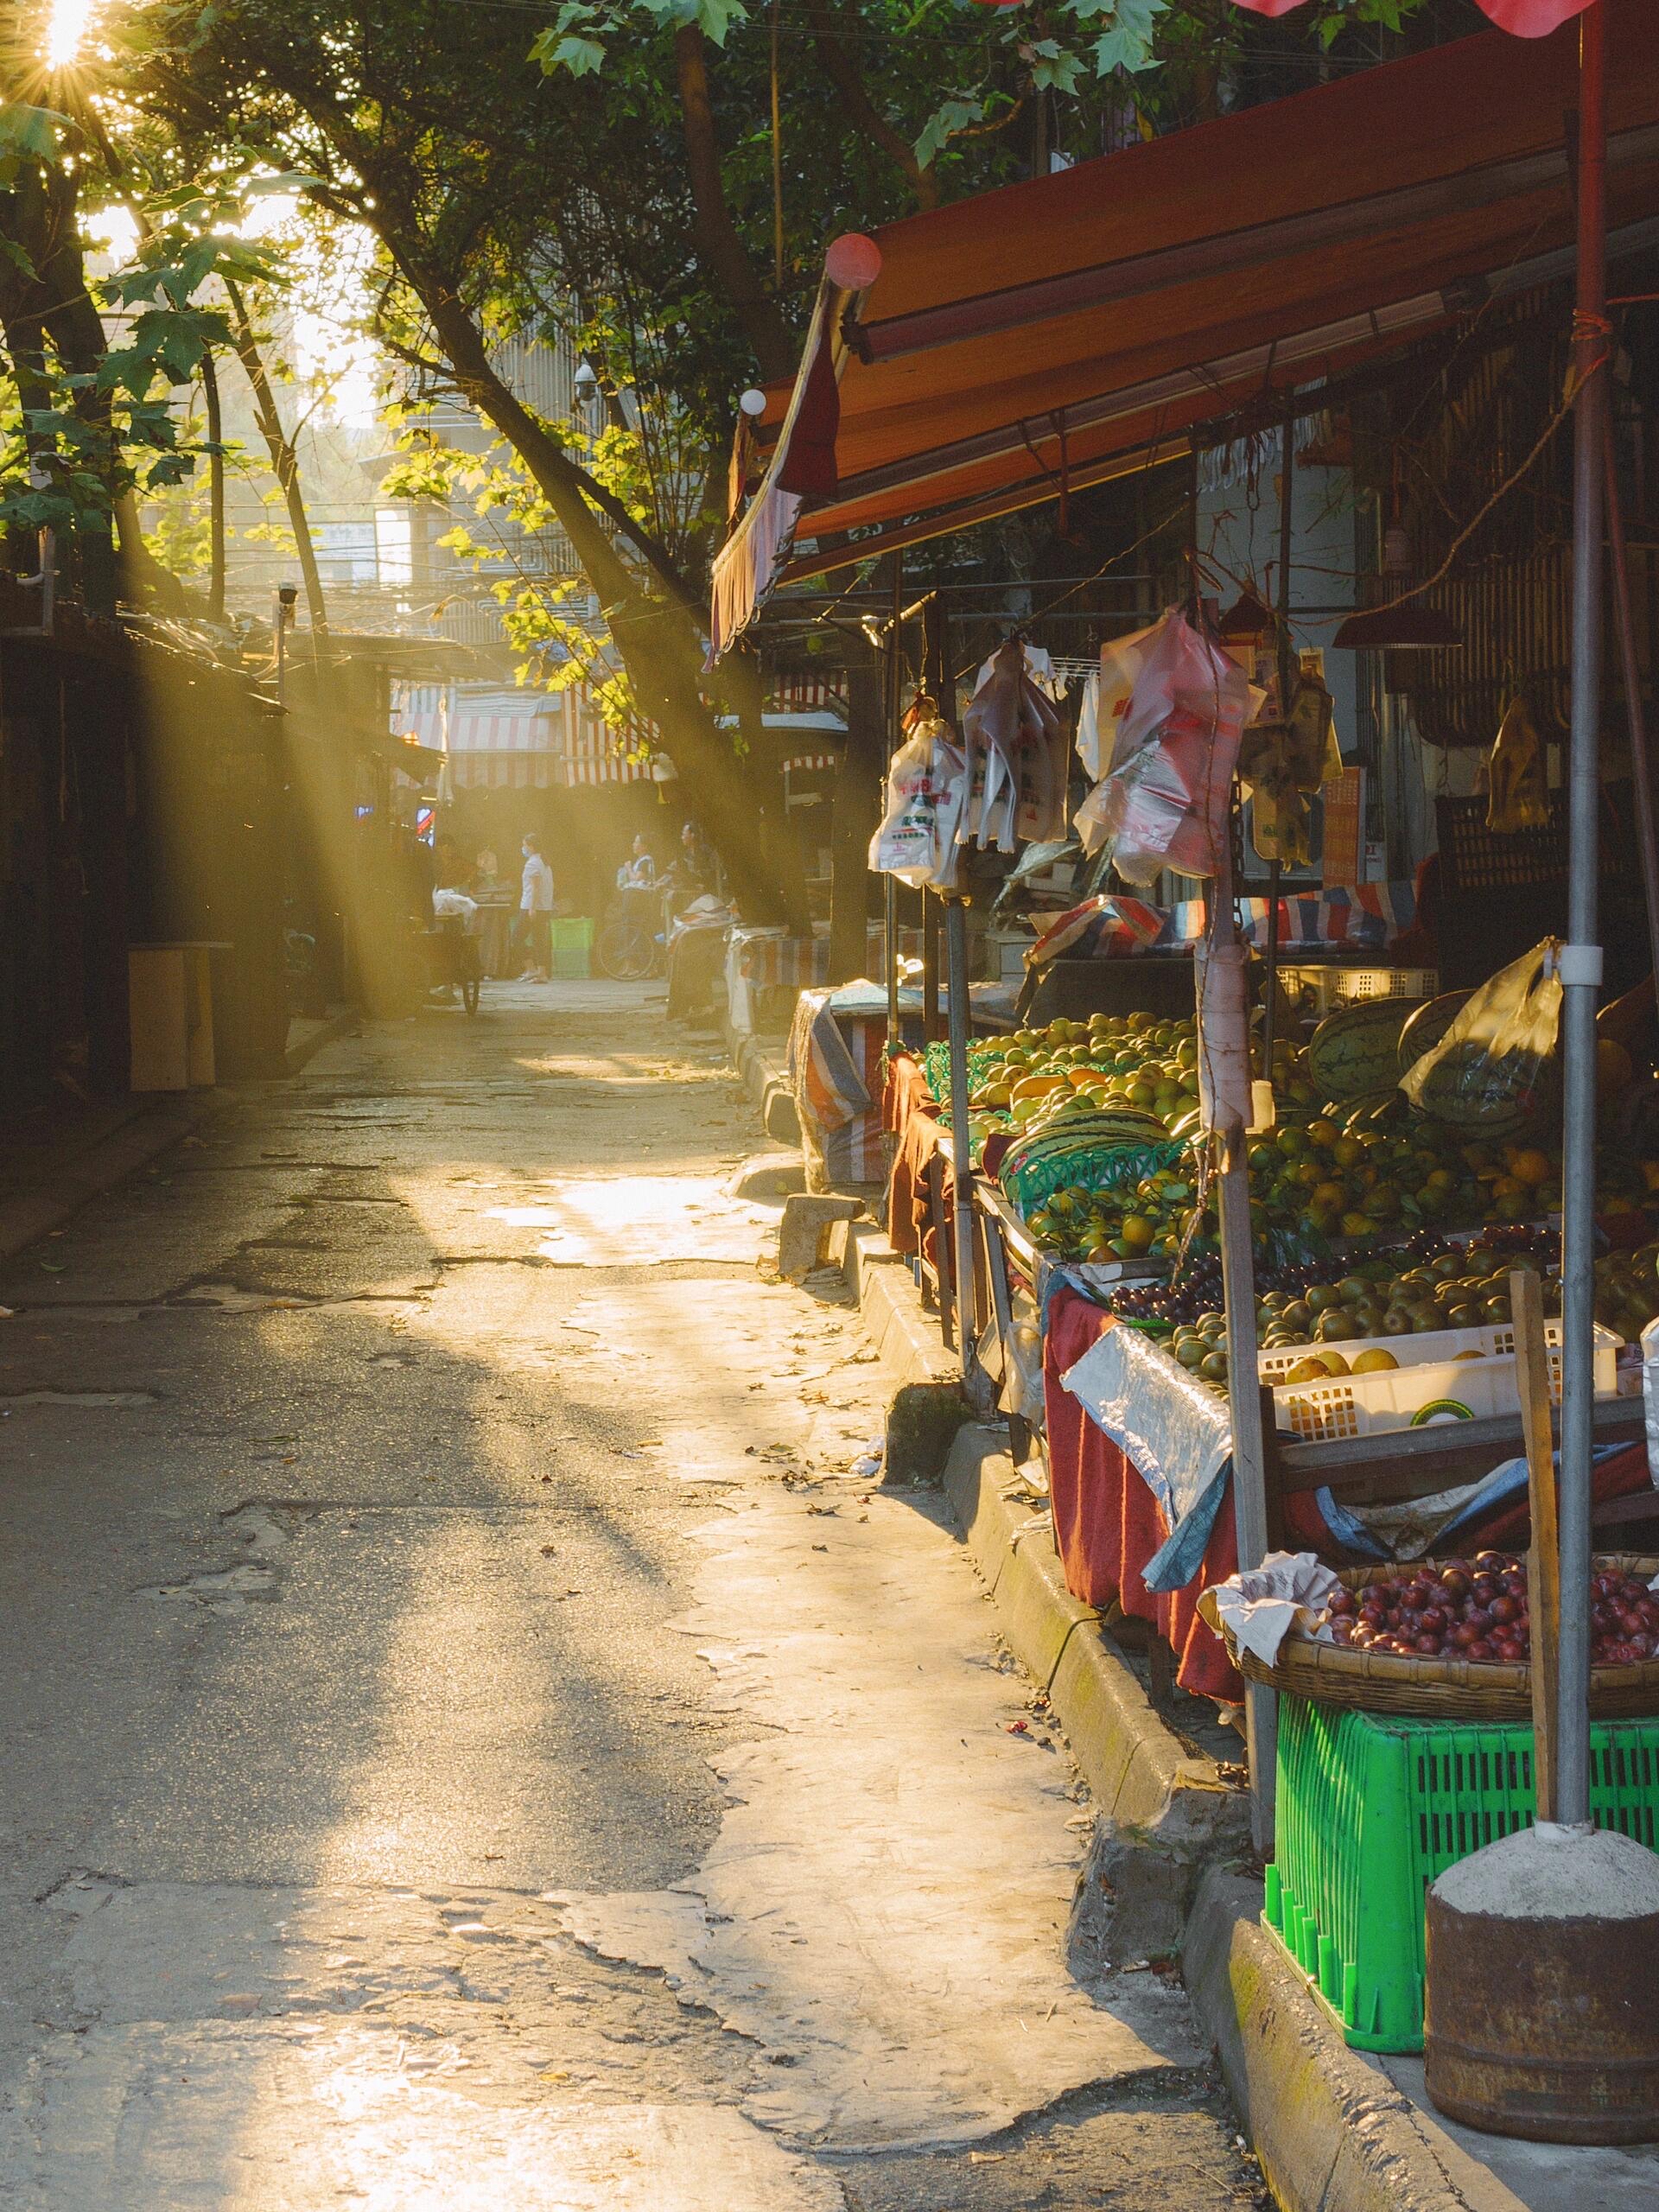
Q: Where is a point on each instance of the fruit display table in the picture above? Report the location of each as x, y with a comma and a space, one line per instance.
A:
1154, 1541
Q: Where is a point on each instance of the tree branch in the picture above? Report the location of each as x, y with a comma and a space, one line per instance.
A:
284, 461
842, 66
719, 245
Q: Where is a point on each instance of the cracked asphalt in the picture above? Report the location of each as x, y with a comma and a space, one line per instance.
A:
471, 1738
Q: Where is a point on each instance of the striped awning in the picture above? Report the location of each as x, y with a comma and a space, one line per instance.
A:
539, 742
504, 771
592, 752
535, 732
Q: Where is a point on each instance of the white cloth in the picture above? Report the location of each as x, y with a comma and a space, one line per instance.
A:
454, 902
537, 894
1257, 1611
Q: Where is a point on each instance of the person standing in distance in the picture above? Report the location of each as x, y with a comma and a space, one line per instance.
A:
535, 912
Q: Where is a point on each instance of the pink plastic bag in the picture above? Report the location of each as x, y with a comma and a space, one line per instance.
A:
1163, 803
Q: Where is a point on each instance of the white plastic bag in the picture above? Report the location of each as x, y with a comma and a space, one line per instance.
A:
1018, 754
916, 840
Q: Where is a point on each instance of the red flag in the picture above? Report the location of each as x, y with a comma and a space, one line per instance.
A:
1526, 18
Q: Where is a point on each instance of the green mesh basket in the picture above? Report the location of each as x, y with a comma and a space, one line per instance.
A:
1099, 1167
936, 1060
1372, 1809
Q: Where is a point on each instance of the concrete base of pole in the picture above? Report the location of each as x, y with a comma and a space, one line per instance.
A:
1542, 2015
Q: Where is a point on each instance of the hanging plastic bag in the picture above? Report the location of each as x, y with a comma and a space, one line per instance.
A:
916, 840
1165, 802
1496, 1070
1518, 777
1088, 731
1016, 743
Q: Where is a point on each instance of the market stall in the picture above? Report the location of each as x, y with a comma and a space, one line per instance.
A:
1272, 1258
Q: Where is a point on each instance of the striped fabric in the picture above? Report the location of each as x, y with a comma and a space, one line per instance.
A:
1364, 917
799, 694
796, 963
835, 1075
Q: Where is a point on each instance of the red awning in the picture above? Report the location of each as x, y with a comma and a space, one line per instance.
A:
1048, 335
1526, 18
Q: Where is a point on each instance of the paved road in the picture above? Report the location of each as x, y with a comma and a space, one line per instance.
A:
470, 1740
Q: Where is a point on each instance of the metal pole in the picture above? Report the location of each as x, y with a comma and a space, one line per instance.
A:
1581, 956
1231, 1140
955, 984
1647, 838
889, 886
939, 682
1286, 675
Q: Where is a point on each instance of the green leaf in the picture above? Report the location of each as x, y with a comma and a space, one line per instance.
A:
943, 125
1128, 45
30, 130
582, 57
1052, 69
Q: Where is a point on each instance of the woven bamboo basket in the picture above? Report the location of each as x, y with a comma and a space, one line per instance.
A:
1445, 1689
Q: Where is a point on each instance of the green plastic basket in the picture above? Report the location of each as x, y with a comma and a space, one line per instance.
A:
1371, 1809
935, 1059
572, 940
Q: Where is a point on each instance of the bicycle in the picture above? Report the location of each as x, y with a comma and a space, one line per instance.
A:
627, 949
452, 959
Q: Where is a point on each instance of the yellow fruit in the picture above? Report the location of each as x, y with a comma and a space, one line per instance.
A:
1309, 1371
1468, 1355
1334, 1363
1528, 1166
1375, 1362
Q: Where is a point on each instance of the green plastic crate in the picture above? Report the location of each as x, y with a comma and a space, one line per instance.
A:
1372, 1808
572, 946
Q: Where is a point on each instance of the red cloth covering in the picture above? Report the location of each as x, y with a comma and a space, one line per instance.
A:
1108, 1524
910, 1110
1621, 1474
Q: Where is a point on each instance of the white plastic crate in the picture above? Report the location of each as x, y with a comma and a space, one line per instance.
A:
1432, 1347
1423, 1391
1332, 986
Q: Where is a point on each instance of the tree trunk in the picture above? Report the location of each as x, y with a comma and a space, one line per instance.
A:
658, 642
284, 461
719, 245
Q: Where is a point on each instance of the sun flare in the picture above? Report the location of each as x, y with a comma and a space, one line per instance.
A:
66, 28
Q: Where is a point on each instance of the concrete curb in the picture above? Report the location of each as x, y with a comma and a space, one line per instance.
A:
1333, 2132
338, 1024
68, 1186
1142, 1776
927, 1408
763, 1079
